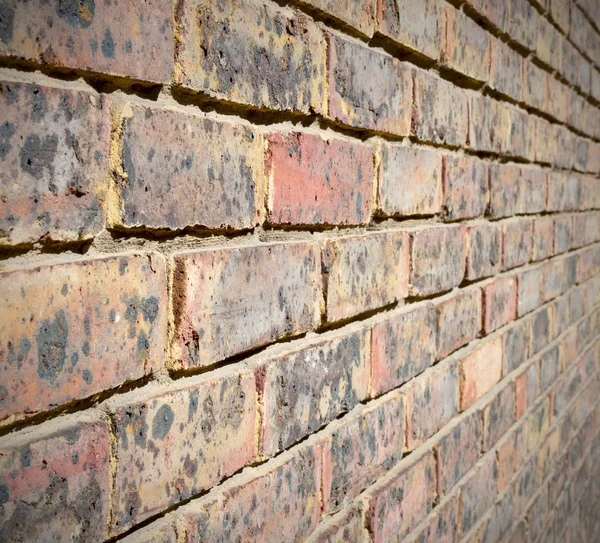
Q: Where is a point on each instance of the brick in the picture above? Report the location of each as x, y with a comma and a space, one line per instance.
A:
538, 513
458, 320
495, 11
565, 147
355, 101
511, 453
499, 303
403, 345
522, 23
548, 455
439, 110
478, 493
589, 196
489, 124
569, 62
562, 234
437, 259
517, 242
585, 229
530, 290
543, 238
358, 14
364, 272
560, 14
515, 341
416, 25
498, 416
92, 36
458, 447
563, 192
431, 401
277, 502
538, 421
220, 295
535, 86
520, 141
571, 264
595, 84
91, 325
584, 77
558, 99
483, 250
506, 67
545, 142
495, 527
527, 388
177, 158
577, 105
534, 190
347, 525
466, 45
391, 517
55, 145
480, 370
549, 44
361, 448
317, 179
541, 326
410, 181
582, 33
253, 53
506, 190
157, 532
465, 187
561, 315
55, 481
306, 388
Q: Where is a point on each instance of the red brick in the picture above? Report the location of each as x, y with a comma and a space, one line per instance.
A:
535, 86
520, 141
364, 272
558, 99
439, 110
562, 234
410, 181
279, 501
585, 229
563, 191
495, 11
466, 45
55, 481
437, 259
565, 147
93, 36
414, 24
506, 188
499, 303
458, 320
171, 442
91, 325
403, 345
221, 296
538, 421
465, 187
390, 517
527, 388
253, 52
552, 279
530, 290
489, 124
541, 327
484, 250
517, 242
498, 416
511, 452
440, 526
545, 142
506, 67
177, 159
543, 238
54, 162
515, 342
360, 448
317, 179
534, 190
355, 101
521, 24
308, 386
431, 401
358, 14
347, 525
549, 44
480, 370
458, 447
478, 493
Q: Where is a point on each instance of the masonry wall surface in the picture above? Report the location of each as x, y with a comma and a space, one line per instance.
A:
307, 270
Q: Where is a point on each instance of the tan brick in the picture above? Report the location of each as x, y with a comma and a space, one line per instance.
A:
511, 453
222, 295
78, 328
251, 52
527, 388
495, 11
560, 12
484, 250
558, 99
549, 44
160, 531
465, 187
522, 23
480, 370
537, 423
359, 14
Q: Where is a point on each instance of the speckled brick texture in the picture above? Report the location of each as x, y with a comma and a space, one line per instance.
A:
323, 271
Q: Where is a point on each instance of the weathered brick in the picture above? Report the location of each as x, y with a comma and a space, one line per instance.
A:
68, 35
318, 179
480, 370
563, 192
55, 481
530, 290
569, 62
431, 401
548, 454
537, 514
498, 416
478, 492
177, 159
520, 141
358, 14
415, 24
489, 124
562, 315
562, 234
558, 99
585, 229
368, 88
221, 296
439, 110
595, 85
541, 327
458, 320
565, 146
522, 23
360, 448
347, 525
545, 142
527, 388
364, 272
277, 502
54, 153
465, 187
251, 52
534, 190
537, 423
161, 531
543, 238
458, 447
86, 326
559, 11
506, 188
410, 181
511, 452
499, 303
577, 105
525, 486
495, 11
535, 86
515, 341
506, 69
584, 77
549, 44
583, 35
171, 442
388, 516
309, 386
517, 242
466, 45
589, 192
552, 279
437, 259
483, 250
403, 345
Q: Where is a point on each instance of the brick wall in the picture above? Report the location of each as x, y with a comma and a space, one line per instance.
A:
315, 270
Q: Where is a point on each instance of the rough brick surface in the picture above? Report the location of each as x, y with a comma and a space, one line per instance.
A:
484, 253
465, 187
480, 370
499, 303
